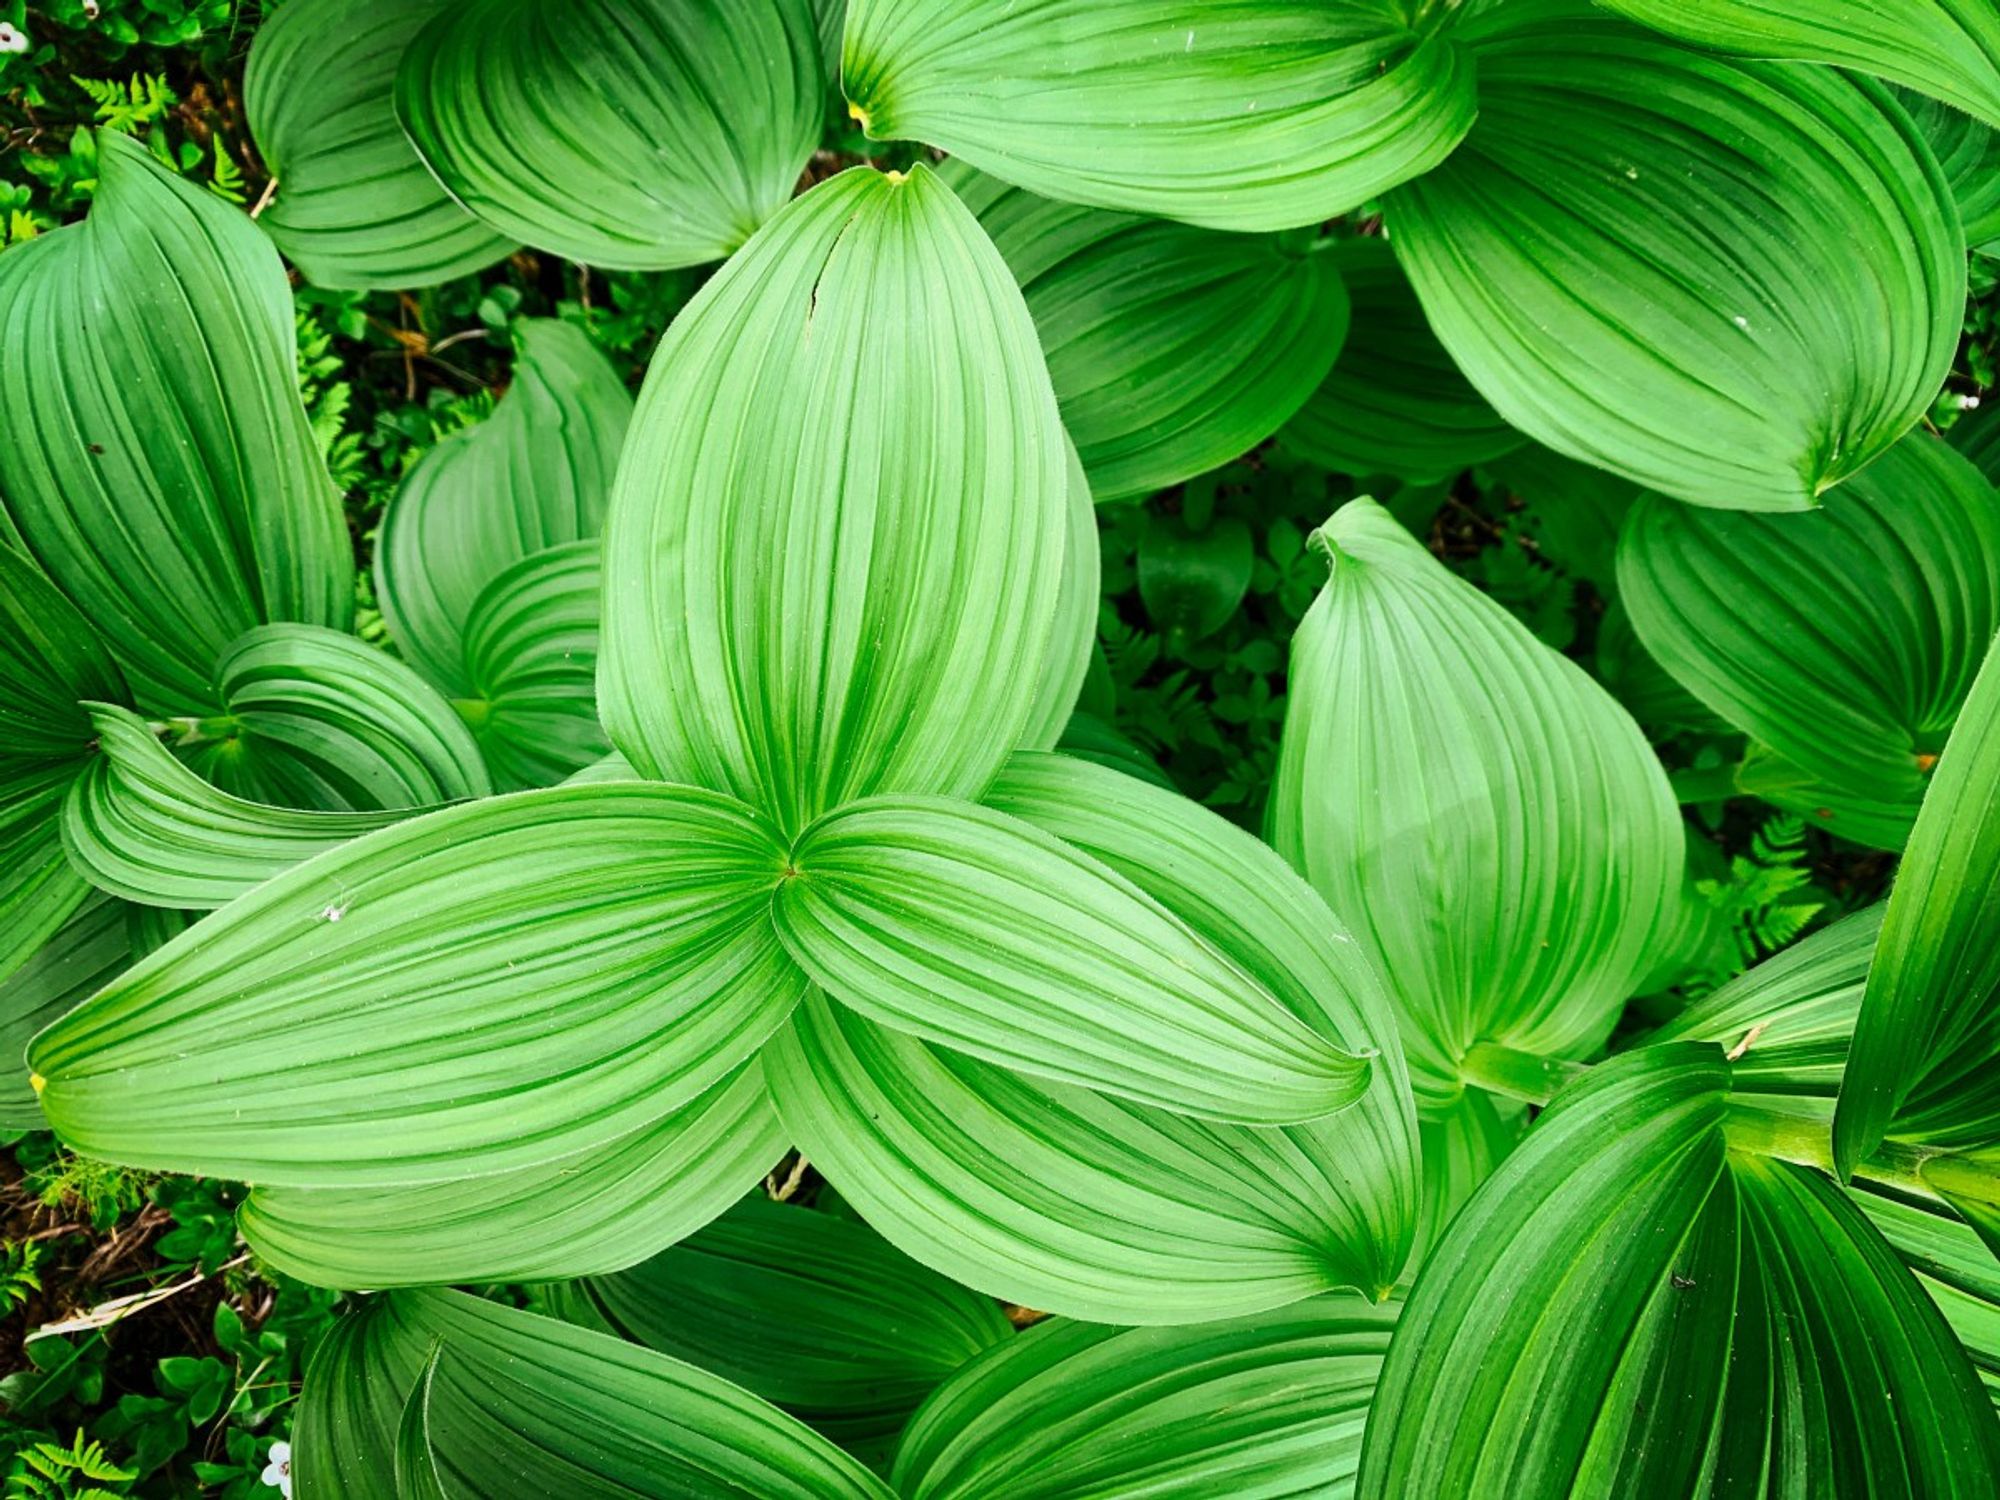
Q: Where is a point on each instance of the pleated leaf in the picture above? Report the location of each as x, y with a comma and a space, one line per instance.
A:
537, 117
154, 456
1489, 824
1954, 1265
1172, 349
1680, 1320
1845, 640
485, 987
1736, 283
1248, 114
86, 952
1258, 1408
534, 475
1969, 153
1923, 1066
815, 1313
979, 931
835, 552
1073, 642
354, 206
1949, 49
601, 1210
1394, 403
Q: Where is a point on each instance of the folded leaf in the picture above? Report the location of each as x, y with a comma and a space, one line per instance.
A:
85, 953
601, 1210
154, 456
1462, 1144
1249, 114
534, 475
850, 585
354, 206
817, 1314
1969, 153
1736, 283
1394, 403
1949, 49
1074, 638
1923, 1065
1257, 1408
536, 116
482, 988
1953, 1265
1845, 640
979, 931
314, 718
1489, 824
1172, 349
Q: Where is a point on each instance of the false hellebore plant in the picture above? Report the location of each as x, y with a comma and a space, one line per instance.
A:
722, 797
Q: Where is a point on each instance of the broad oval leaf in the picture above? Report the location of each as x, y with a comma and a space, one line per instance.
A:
1073, 642
536, 115
485, 987
1247, 114
154, 456
1736, 283
850, 584
86, 952
1844, 640
1949, 49
1394, 403
979, 931
1257, 1408
354, 206
1173, 349
1487, 821
534, 475
600, 1210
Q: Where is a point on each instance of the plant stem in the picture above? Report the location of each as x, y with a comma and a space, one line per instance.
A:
1527, 1076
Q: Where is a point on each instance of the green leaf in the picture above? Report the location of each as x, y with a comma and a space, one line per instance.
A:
313, 718
354, 206
1679, 1319
537, 118
154, 456
1949, 49
1462, 1144
1254, 115
531, 654
1845, 640
1394, 403
86, 952
817, 1314
1736, 283
1172, 349
979, 931
1490, 825
519, 1404
535, 474
1952, 1264
1923, 1065
850, 586
1969, 153
1257, 1408
1192, 582
486, 987
600, 1210
1073, 642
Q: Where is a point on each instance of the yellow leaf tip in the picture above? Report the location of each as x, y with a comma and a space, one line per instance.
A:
857, 114
37, 1082
897, 179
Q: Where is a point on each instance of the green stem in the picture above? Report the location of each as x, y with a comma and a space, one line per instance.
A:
1527, 1076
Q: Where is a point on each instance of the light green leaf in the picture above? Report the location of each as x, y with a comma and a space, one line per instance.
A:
1260, 1408
1949, 49
354, 206
1923, 1066
1244, 114
86, 952
1736, 283
535, 474
1462, 1144
538, 117
1073, 642
1394, 403
1953, 1265
979, 931
1173, 349
1680, 1320
1648, 690
815, 1313
1969, 153
1489, 824
600, 1210
316, 719
486, 987
850, 586
1844, 640
154, 456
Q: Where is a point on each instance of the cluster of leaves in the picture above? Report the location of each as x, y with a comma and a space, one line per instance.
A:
964, 786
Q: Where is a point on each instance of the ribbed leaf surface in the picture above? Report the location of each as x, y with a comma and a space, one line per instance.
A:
85, 953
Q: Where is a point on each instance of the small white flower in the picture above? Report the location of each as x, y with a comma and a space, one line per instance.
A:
278, 1471
13, 38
